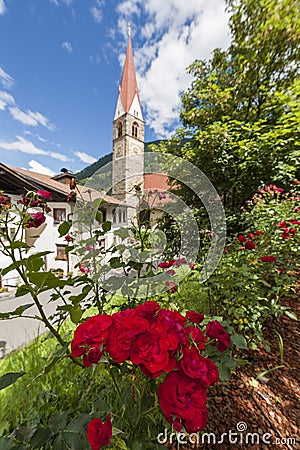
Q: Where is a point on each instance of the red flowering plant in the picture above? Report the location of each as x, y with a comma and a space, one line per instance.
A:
166, 356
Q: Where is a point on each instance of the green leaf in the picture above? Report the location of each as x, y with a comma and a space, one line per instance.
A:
64, 228
239, 341
45, 280
6, 444
23, 290
106, 226
9, 378
17, 312
40, 438
18, 244
58, 422
122, 232
116, 431
291, 315
75, 314
99, 216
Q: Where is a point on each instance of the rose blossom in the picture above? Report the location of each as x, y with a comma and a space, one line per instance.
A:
170, 286
197, 367
99, 433
154, 351
195, 336
194, 316
268, 259
249, 245
126, 326
215, 330
90, 338
35, 220
45, 194
183, 402
242, 238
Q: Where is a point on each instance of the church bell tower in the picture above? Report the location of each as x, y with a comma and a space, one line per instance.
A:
128, 133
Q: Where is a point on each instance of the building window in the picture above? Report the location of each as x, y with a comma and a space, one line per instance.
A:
120, 130
135, 128
124, 215
59, 215
114, 216
61, 255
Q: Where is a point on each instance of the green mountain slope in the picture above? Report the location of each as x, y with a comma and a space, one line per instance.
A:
88, 171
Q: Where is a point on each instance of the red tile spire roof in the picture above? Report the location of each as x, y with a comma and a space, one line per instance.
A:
128, 87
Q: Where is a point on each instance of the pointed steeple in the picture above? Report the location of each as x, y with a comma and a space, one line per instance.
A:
128, 94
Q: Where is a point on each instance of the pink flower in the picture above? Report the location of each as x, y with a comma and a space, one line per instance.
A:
251, 235
83, 269
192, 266
45, 194
171, 271
35, 220
170, 286
296, 181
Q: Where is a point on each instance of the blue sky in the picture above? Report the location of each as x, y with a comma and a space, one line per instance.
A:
61, 64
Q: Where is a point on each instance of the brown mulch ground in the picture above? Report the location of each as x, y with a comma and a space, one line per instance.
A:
271, 405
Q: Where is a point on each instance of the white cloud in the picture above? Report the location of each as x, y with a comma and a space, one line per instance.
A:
25, 146
5, 99
96, 12
35, 166
2, 7
30, 118
5, 79
57, 3
67, 46
176, 33
84, 157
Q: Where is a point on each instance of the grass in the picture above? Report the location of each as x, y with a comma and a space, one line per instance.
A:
36, 396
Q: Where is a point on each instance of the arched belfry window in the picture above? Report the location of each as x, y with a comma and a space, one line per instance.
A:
135, 129
120, 130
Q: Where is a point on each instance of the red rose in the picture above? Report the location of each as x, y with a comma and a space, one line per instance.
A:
215, 330
296, 181
35, 220
99, 433
194, 316
126, 326
242, 238
195, 336
90, 338
166, 264
69, 238
154, 351
147, 310
173, 322
268, 259
183, 401
282, 224
45, 194
285, 235
249, 245
294, 222
92, 356
197, 367
258, 233
192, 266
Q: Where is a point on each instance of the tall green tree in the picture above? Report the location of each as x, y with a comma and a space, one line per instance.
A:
240, 116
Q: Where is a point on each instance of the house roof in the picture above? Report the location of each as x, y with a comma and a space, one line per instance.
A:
14, 180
